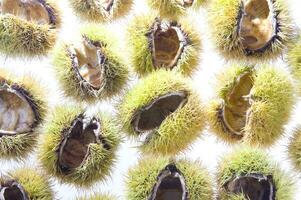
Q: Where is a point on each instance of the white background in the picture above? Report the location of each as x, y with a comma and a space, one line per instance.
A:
207, 149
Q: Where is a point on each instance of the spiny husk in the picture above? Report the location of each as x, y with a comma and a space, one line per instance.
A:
142, 178
19, 37
247, 160
223, 20
97, 166
141, 50
36, 185
272, 103
20, 145
168, 139
116, 71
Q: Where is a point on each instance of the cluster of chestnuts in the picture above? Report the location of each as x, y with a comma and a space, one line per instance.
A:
162, 113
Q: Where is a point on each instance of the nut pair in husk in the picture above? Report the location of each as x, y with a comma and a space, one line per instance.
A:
252, 104
294, 149
79, 148
92, 68
174, 8
162, 113
249, 174
157, 178
250, 29
28, 27
159, 43
101, 10
294, 61
25, 184
22, 110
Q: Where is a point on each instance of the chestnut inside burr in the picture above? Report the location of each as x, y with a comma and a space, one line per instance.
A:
257, 25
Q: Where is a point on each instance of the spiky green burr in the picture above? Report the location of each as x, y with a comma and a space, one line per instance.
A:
24, 36
148, 178
78, 148
163, 113
156, 43
238, 36
26, 183
252, 171
252, 105
93, 68
23, 107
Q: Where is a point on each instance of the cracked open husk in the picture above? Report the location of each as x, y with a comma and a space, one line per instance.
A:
78, 148
159, 177
249, 174
162, 113
156, 43
250, 30
22, 110
28, 28
25, 184
91, 69
252, 104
